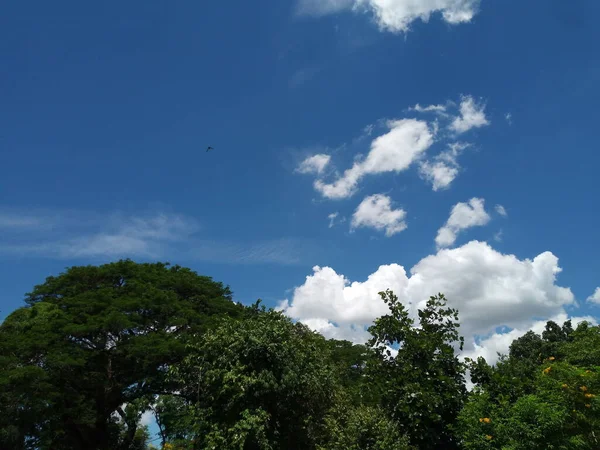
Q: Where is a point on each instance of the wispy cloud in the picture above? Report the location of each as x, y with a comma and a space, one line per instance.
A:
303, 75
151, 236
501, 210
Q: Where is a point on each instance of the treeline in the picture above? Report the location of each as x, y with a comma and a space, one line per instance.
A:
98, 348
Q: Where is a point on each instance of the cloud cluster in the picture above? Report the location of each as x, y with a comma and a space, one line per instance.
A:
396, 16
462, 216
393, 151
376, 212
405, 143
490, 290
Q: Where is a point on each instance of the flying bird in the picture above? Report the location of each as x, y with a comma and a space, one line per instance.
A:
209, 148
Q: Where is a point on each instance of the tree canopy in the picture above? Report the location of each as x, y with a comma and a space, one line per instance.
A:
96, 347
93, 339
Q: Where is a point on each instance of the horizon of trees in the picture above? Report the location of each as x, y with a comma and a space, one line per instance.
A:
96, 347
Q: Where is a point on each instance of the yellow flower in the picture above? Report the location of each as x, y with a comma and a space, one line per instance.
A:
588, 371
589, 395
552, 358
488, 437
565, 385
583, 388
487, 420
588, 405
547, 370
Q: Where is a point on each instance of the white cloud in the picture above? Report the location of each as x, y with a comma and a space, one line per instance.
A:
498, 236
376, 212
472, 115
462, 216
397, 15
394, 151
405, 143
595, 297
440, 109
444, 168
490, 290
314, 164
501, 210
508, 118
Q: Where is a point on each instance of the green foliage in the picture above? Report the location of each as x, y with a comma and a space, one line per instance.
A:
96, 347
350, 361
549, 405
423, 387
362, 428
92, 339
262, 383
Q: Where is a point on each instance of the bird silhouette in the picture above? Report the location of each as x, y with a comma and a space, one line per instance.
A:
209, 148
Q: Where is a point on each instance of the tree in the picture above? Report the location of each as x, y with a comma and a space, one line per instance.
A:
362, 428
93, 339
532, 400
423, 387
349, 361
562, 412
261, 383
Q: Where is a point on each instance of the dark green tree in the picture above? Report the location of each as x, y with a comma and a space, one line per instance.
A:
423, 387
362, 428
349, 361
93, 339
261, 383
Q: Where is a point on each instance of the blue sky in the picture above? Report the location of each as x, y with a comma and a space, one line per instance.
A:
107, 109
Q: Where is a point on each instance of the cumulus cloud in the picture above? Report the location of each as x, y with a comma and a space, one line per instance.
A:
444, 168
462, 216
396, 16
376, 212
314, 164
405, 143
472, 115
490, 290
393, 151
595, 297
